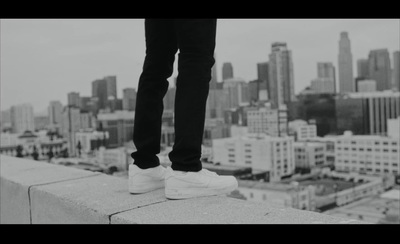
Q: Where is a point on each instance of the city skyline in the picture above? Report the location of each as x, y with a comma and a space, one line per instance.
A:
65, 56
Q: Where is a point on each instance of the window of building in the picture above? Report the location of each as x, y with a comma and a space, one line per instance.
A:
247, 162
231, 161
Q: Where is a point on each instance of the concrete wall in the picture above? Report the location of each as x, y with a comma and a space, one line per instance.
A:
40, 193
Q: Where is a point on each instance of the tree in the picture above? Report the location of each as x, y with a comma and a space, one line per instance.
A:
79, 147
35, 153
64, 153
19, 151
50, 154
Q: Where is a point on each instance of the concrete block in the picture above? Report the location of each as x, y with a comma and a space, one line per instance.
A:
221, 210
86, 201
18, 175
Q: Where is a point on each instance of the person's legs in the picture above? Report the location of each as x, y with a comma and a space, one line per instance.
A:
196, 43
161, 47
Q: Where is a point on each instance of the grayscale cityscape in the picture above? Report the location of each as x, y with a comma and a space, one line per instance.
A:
318, 132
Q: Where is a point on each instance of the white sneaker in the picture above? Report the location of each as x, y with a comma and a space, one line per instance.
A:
181, 185
145, 180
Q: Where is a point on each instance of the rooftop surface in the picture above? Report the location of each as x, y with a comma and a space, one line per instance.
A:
35, 192
379, 209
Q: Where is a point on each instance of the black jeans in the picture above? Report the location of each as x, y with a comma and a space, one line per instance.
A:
195, 40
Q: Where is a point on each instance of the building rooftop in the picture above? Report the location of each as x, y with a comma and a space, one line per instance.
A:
376, 209
266, 185
35, 192
117, 115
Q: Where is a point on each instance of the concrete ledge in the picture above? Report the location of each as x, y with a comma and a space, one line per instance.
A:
41, 193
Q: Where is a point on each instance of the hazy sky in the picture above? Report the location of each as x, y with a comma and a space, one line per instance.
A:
43, 60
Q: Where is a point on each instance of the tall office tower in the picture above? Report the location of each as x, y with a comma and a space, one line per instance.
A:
217, 103
55, 109
254, 90
366, 113
323, 85
74, 99
379, 69
70, 124
214, 78
104, 89
326, 71
237, 91
263, 76
119, 126
396, 70
22, 118
362, 68
129, 99
281, 80
345, 64
227, 71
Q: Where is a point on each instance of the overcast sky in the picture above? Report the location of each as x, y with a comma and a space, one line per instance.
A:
43, 60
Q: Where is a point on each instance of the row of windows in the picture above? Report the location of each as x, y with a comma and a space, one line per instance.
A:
367, 155
385, 143
367, 162
371, 170
368, 149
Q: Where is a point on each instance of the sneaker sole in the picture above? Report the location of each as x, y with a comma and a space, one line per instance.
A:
175, 194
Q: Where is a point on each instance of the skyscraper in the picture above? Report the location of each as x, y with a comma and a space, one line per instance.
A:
227, 71
379, 69
396, 69
237, 91
345, 64
326, 72
281, 80
22, 118
129, 99
362, 68
74, 99
263, 76
104, 89
55, 109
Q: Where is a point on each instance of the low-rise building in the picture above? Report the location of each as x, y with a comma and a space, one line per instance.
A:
309, 155
367, 154
278, 194
272, 155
